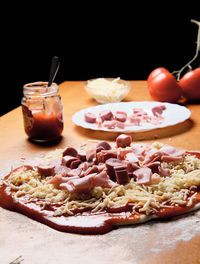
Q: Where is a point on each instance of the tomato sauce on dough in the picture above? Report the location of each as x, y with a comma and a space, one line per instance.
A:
84, 222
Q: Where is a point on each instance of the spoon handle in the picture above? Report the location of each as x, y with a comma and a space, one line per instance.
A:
53, 70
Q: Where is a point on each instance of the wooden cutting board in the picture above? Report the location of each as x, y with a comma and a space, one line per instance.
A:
164, 241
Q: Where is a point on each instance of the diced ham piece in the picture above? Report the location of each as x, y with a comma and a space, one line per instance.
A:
120, 116
74, 164
90, 170
82, 155
167, 158
67, 160
131, 157
107, 154
69, 151
135, 120
156, 120
46, 170
158, 110
123, 141
120, 125
154, 166
61, 170
139, 112
110, 124
91, 154
104, 144
106, 115
143, 175
139, 151
99, 122
110, 164
121, 153
90, 117
99, 149
104, 155
121, 174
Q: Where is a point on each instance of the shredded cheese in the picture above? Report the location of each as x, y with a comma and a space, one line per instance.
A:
107, 91
177, 189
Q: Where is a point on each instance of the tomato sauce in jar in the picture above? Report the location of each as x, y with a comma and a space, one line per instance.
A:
42, 111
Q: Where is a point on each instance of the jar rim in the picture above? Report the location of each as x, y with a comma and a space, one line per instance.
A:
40, 88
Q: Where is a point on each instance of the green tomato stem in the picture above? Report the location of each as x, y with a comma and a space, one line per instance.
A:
178, 73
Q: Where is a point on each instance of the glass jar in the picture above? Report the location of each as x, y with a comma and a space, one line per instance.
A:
42, 111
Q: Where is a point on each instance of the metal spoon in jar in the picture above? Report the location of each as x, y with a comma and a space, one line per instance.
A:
53, 70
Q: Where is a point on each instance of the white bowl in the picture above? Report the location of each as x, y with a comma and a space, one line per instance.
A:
107, 90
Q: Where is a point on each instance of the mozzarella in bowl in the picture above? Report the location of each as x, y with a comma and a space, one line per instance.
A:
107, 90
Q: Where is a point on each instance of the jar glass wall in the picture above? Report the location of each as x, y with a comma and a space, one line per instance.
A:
42, 111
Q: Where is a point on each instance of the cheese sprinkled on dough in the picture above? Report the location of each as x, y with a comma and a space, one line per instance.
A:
177, 189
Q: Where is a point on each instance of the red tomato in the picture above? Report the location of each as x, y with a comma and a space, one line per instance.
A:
163, 86
190, 84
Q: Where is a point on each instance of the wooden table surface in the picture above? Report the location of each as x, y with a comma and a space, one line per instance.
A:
174, 241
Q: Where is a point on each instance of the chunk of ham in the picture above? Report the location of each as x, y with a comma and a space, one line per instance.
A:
46, 170
143, 175
158, 110
110, 124
106, 115
90, 117
123, 141
69, 151
120, 116
104, 144
121, 174
110, 165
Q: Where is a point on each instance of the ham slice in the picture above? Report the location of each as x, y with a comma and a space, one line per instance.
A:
171, 151
151, 155
102, 179
58, 179
143, 175
80, 185
88, 183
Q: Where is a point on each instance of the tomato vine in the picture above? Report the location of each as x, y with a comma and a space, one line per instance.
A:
188, 65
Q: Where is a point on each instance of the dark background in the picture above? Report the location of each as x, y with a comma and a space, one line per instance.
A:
121, 40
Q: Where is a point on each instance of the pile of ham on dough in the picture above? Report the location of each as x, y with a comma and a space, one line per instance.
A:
121, 120
104, 177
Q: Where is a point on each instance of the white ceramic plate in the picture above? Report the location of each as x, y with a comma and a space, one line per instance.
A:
173, 115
